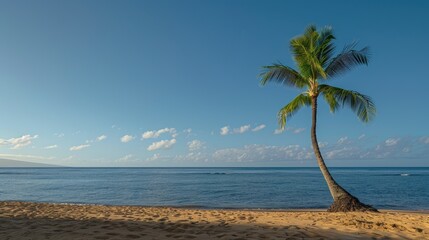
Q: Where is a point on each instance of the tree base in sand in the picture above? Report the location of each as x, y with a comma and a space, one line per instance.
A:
350, 204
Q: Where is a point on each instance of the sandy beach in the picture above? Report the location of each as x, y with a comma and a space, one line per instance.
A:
23, 220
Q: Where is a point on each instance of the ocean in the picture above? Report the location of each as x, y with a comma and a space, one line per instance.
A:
254, 188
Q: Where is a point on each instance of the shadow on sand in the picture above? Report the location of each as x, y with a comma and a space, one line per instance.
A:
45, 228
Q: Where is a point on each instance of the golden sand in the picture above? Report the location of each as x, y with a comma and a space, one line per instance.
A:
22, 220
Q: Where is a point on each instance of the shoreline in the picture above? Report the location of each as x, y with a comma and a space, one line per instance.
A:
30, 220
191, 207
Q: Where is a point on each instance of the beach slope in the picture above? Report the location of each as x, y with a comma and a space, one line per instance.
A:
22, 220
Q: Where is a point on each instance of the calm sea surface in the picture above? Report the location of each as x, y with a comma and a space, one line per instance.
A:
270, 188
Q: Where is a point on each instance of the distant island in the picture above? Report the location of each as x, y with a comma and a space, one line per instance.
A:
15, 163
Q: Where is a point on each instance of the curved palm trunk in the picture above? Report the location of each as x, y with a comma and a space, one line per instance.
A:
343, 201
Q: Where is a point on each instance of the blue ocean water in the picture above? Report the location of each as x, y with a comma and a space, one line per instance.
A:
268, 188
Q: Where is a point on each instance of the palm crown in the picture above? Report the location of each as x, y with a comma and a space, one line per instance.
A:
313, 54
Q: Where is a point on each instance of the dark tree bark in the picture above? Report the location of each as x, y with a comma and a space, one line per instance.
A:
343, 201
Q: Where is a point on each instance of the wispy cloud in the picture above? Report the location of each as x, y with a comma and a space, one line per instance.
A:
392, 147
116, 127
68, 158
126, 158
195, 157
23, 157
242, 129
392, 141
60, 135
163, 144
298, 130
20, 142
188, 132
157, 133
425, 140
51, 146
257, 153
289, 129
155, 157
126, 138
258, 128
346, 149
323, 144
79, 147
101, 138
343, 140
195, 145
97, 139
278, 131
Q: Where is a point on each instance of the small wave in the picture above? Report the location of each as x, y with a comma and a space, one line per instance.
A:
404, 174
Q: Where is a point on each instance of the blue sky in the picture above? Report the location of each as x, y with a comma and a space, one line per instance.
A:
155, 83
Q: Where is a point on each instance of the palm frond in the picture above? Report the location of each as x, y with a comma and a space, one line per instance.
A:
302, 55
361, 104
306, 51
347, 59
282, 74
332, 102
325, 46
292, 107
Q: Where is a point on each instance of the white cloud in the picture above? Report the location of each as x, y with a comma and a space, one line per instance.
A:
258, 128
242, 129
24, 157
157, 133
256, 153
195, 145
188, 133
16, 143
392, 141
51, 146
345, 152
125, 158
196, 157
77, 132
97, 139
278, 131
60, 135
163, 144
352, 150
245, 128
116, 127
343, 140
101, 138
79, 147
224, 131
425, 140
402, 148
126, 138
155, 157
298, 130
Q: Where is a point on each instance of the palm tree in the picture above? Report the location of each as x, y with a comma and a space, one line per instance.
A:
313, 55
